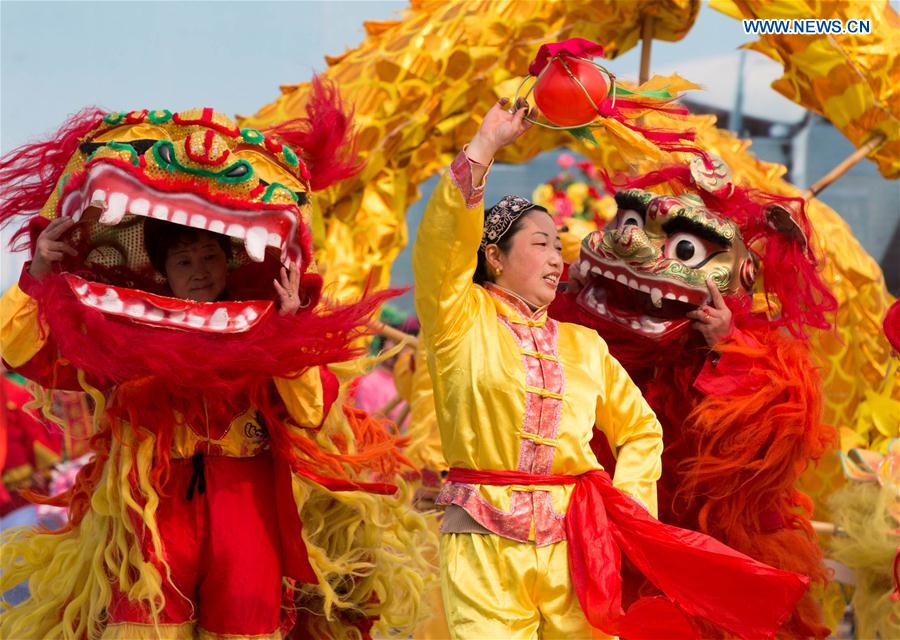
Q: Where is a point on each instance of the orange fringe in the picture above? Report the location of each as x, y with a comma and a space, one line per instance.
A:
752, 445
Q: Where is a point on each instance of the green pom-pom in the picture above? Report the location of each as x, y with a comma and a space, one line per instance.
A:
289, 156
159, 116
252, 136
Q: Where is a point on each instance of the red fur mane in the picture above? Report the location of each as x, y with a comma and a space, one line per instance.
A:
30, 173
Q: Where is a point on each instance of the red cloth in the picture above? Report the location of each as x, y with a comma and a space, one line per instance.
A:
23, 434
575, 47
698, 575
227, 548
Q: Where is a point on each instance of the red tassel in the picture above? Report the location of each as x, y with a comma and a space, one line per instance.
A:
30, 173
324, 137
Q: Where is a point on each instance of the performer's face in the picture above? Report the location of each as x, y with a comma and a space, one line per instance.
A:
533, 264
197, 269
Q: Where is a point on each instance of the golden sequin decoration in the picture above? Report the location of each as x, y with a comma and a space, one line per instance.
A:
851, 79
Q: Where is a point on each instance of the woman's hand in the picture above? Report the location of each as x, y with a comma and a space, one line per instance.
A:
500, 127
288, 290
50, 248
714, 322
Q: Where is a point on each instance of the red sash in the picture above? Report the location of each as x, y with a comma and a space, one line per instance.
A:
698, 575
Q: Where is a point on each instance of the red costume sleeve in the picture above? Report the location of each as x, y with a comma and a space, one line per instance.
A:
22, 332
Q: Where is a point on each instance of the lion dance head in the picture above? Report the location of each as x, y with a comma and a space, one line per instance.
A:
649, 267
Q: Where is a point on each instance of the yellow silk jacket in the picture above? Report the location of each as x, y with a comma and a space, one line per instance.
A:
21, 339
424, 437
514, 389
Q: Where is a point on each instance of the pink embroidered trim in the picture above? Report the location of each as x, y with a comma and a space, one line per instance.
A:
514, 524
536, 335
461, 172
538, 317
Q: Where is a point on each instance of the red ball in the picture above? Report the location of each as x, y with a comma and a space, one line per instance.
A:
560, 98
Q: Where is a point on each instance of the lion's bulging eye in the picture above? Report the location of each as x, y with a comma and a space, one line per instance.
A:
629, 217
687, 248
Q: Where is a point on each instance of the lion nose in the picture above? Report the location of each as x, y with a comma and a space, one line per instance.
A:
632, 244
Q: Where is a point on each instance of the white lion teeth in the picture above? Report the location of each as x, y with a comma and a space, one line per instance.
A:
274, 240
197, 221
622, 279
108, 299
682, 298
179, 217
644, 288
136, 309
160, 212
596, 271
139, 206
98, 199
219, 319
656, 297
236, 231
633, 283
115, 209
111, 301
670, 296
595, 302
583, 268
609, 274
651, 326
255, 243
217, 226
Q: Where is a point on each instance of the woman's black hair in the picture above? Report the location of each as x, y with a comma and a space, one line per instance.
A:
160, 236
482, 274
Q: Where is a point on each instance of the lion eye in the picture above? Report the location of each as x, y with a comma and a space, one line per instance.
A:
687, 248
630, 217
165, 153
239, 170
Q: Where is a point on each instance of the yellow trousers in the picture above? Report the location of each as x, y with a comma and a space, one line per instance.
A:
435, 626
494, 587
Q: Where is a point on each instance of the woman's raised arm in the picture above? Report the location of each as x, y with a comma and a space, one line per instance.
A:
446, 246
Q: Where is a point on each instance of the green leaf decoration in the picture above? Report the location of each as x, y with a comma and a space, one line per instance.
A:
584, 134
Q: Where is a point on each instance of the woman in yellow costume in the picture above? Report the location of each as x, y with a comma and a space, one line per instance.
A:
534, 529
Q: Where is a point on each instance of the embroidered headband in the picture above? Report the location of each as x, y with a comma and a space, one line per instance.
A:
502, 216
